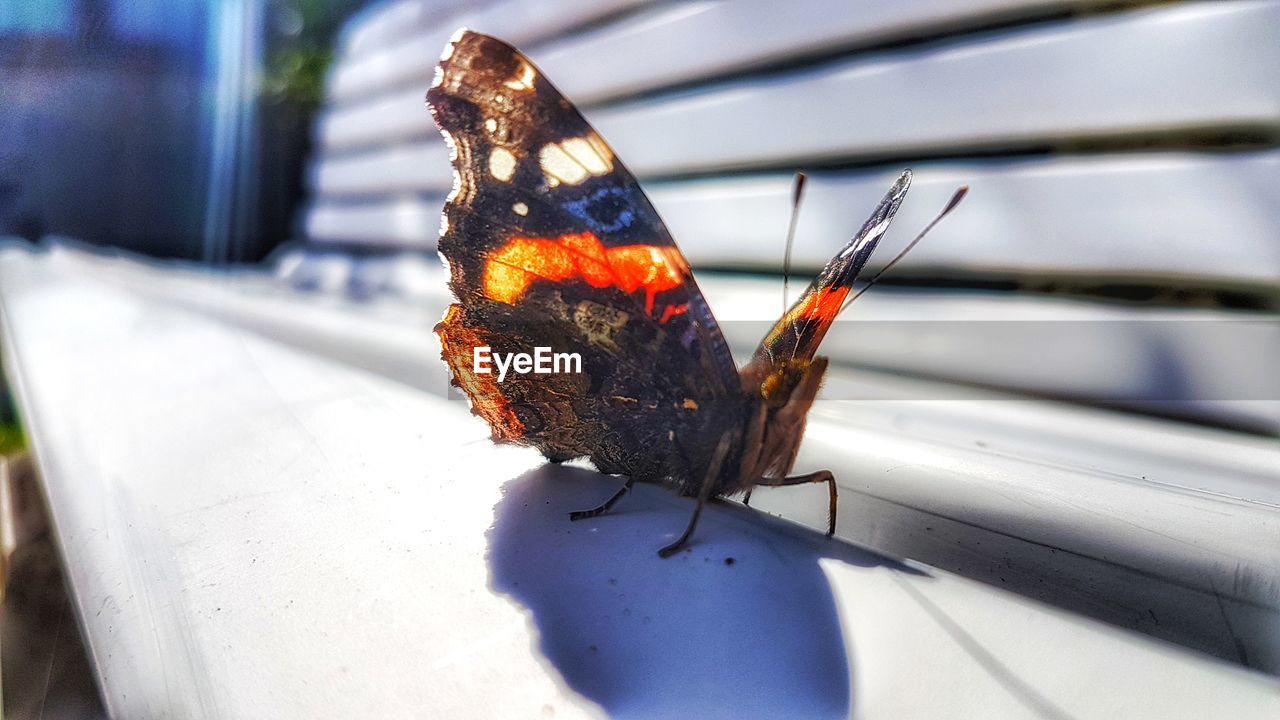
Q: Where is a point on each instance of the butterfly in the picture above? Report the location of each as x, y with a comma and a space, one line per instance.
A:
550, 242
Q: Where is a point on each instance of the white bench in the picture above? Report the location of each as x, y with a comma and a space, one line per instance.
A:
270, 506
263, 516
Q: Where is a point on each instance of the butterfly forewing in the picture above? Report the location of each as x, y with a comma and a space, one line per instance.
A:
551, 242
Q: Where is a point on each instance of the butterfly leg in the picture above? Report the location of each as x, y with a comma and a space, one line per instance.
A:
608, 504
817, 477
753, 447
671, 549
708, 482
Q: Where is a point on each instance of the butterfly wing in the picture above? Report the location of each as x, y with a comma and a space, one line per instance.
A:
551, 243
798, 333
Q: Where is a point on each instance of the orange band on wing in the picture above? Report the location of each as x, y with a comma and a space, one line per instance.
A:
822, 305
672, 311
511, 269
805, 324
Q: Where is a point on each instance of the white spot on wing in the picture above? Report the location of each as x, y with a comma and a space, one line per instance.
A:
520, 209
586, 154
874, 233
490, 124
523, 80
597, 143
573, 160
560, 165
502, 164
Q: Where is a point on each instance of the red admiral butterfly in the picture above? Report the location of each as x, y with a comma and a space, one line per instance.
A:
550, 242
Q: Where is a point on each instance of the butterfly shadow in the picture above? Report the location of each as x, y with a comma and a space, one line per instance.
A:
741, 624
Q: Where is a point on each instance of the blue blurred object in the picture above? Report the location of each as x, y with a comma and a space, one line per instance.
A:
118, 119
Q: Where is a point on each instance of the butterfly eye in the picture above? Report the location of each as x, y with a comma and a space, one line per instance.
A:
606, 210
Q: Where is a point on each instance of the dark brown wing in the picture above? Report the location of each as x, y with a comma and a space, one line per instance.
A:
551, 243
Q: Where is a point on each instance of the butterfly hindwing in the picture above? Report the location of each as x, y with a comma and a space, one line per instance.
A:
551, 243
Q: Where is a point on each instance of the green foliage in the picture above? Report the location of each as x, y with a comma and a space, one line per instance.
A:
296, 75
12, 439
300, 47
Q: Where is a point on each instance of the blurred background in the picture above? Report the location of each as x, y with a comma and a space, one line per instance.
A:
171, 129
270, 164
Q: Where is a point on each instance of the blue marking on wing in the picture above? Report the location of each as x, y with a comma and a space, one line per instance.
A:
608, 209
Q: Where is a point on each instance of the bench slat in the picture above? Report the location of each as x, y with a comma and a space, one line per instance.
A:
370, 30
1208, 218
1155, 71
676, 42
519, 22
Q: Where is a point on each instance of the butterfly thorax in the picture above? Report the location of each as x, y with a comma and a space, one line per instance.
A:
780, 394
773, 382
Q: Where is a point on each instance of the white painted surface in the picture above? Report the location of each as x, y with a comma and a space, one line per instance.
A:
1090, 217
1000, 660
1157, 70
407, 221
1112, 515
407, 55
383, 23
257, 531
253, 530
667, 44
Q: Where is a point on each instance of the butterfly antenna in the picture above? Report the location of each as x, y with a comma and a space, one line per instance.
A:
797, 191
951, 205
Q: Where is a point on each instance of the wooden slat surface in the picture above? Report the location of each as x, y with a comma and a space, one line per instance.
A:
406, 57
1155, 70
382, 24
1213, 218
673, 42
410, 221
